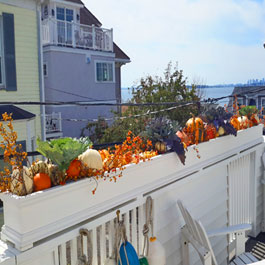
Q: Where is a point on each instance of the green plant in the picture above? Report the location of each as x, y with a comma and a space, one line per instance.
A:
64, 150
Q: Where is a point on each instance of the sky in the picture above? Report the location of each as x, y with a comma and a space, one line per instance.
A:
212, 41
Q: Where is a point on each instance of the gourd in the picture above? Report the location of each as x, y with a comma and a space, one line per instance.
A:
55, 174
255, 119
210, 131
160, 147
74, 168
156, 253
17, 187
39, 167
183, 137
41, 181
235, 122
244, 122
221, 131
195, 126
92, 159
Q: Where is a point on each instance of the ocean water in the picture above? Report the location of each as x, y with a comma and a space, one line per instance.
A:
208, 92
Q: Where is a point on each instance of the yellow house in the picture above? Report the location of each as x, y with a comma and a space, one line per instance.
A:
21, 68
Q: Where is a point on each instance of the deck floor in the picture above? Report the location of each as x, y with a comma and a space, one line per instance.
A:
257, 246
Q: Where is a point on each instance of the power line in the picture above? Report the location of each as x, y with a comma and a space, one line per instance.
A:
77, 95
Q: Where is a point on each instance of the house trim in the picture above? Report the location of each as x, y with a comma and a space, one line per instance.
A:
262, 98
78, 51
113, 74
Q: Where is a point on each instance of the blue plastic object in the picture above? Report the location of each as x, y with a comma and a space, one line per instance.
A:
131, 254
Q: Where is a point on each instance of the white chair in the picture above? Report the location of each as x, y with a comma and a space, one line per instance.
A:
194, 233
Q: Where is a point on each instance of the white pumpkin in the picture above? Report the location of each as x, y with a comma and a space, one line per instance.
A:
156, 253
17, 186
92, 159
221, 131
243, 120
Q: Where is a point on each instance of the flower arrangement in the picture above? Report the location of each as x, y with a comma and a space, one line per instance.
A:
67, 160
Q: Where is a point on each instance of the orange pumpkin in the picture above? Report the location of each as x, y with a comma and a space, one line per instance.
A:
195, 127
74, 168
235, 122
41, 181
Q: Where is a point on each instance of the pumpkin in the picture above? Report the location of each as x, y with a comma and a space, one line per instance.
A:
92, 159
235, 122
17, 186
244, 122
74, 168
41, 181
210, 131
160, 147
195, 126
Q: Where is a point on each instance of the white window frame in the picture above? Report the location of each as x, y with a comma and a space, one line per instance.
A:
262, 98
2, 85
45, 75
113, 74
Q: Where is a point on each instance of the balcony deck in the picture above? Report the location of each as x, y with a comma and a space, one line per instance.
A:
70, 34
256, 245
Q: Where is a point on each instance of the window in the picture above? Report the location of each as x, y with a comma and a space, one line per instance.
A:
2, 82
64, 17
104, 72
263, 105
45, 70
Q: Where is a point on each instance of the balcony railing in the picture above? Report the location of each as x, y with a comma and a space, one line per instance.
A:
70, 34
53, 123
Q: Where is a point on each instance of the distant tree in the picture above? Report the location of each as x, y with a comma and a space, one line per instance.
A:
171, 87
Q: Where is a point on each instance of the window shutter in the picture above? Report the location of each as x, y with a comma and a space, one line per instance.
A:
9, 52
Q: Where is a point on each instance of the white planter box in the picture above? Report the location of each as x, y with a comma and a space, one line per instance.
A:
34, 217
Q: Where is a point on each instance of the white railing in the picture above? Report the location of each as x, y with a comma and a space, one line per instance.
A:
63, 33
219, 188
53, 122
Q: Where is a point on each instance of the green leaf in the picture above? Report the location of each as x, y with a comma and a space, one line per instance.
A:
64, 150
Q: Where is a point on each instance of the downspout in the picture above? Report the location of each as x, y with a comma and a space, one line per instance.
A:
40, 61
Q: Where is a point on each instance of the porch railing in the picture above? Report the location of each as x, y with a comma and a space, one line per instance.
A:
70, 34
53, 122
219, 189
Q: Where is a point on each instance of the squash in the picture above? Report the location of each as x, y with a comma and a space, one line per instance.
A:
210, 131
55, 174
39, 167
41, 181
195, 127
17, 187
235, 122
255, 119
160, 147
244, 122
183, 137
221, 131
74, 168
92, 159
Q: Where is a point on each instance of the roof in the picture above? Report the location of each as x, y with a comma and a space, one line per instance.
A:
87, 18
247, 90
75, 1
17, 113
119, 53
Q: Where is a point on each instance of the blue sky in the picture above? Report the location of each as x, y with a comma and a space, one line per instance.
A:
213, 41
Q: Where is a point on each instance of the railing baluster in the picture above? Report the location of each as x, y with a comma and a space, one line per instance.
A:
134, 229
62, 250
73, 249
94, 243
